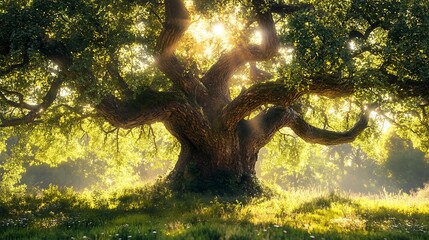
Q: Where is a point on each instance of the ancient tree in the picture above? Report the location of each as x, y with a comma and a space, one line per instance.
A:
373, 53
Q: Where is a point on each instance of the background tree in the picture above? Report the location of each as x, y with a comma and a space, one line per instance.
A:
407, 166
131, 63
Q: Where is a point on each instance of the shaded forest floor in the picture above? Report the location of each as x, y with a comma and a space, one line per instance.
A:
156, 213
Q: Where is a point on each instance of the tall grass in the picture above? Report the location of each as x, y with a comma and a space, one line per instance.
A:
155, 212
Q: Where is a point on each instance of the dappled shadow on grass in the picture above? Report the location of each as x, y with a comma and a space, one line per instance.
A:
324, 202
365, 220
392, 220
157, 213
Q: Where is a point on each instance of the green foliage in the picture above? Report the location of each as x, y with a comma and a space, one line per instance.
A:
87, 157
407, 165
392, 164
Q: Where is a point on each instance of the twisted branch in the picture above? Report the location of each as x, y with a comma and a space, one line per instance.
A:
177, 21
266, 124
217, 77
35, 110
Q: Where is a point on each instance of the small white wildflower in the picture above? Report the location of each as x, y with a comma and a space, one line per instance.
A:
129, 237
276, 226
84, 237
154, 232
312, 237
284, 231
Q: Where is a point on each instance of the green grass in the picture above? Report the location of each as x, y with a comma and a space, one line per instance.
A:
156, 213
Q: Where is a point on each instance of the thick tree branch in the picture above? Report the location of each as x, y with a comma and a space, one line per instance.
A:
313, 134
145, 108
269, 122
216, 79
58, 54
20, 104
257, 95
371, 28
35, 110
330, 86
270, 42
261, 129
182, 78
12, 122
177, 20
150, 107
282, 95
257, 75
126, 115
113, 69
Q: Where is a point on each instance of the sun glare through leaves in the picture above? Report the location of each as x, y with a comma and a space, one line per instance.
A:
218, 29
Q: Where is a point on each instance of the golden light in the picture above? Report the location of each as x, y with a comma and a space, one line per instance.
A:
208, 52
53, 68
87, 108
198, 31
352, 45
210, 38
218, 29
140, 26
189, 4
381, 121
257, 37
287, 54
65, 91
133, 58
386, 125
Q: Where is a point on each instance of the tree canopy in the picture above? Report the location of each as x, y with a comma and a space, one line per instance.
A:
215, 73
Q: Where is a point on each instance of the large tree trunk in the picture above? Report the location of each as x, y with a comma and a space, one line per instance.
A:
224, 165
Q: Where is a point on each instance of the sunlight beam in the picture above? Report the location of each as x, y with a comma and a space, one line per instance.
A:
218, 29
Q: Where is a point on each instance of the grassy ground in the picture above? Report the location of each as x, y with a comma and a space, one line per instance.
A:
156, 213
